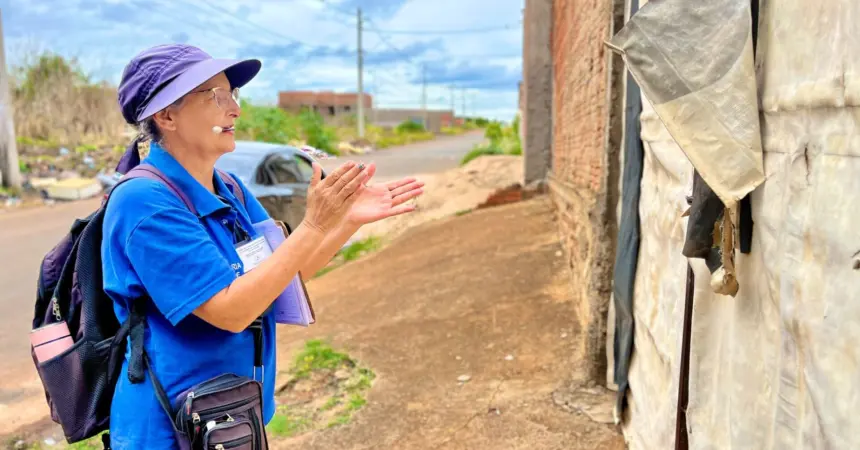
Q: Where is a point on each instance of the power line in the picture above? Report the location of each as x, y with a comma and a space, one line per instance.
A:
360, 77
338, 10
257, 27
386, 41
442, 32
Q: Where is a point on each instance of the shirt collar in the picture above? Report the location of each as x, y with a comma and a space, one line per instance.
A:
204, 201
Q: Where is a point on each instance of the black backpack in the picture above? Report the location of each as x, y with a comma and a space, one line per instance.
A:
79, 382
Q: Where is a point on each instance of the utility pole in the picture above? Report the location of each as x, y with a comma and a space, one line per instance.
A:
474, 108
10, 172
360, 80
424, 93
463, 98
374, 93
453, 109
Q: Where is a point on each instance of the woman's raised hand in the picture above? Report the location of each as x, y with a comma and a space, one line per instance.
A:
330, 200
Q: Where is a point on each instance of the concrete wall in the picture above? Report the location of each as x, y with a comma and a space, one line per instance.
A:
436, 119
536, 90
586, 139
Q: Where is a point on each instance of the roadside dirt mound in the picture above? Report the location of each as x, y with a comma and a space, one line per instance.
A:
456, 191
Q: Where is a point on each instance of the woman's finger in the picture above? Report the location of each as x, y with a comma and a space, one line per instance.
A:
348, 177
371, 171
338, 173
406, 196
317, 175
354, 185
402, 209
398, 183
407, 188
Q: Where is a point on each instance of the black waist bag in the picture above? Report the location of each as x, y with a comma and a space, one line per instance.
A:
225, 412
222, 413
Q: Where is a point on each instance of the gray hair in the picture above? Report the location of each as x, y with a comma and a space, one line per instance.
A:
148, 129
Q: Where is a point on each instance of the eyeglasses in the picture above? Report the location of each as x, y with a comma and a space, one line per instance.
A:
223, 97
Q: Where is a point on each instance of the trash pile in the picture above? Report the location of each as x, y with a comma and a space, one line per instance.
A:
63, 174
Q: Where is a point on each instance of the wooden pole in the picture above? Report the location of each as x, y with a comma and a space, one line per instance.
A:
10, 172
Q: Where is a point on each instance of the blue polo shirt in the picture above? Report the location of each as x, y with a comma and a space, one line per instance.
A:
154, 245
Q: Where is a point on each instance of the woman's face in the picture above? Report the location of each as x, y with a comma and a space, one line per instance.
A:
210, 104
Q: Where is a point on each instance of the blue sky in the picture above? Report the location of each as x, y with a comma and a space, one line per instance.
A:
474, 45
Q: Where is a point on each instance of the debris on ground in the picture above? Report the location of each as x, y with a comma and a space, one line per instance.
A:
74, 189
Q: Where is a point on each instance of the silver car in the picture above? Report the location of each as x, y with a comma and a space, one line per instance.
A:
278, 175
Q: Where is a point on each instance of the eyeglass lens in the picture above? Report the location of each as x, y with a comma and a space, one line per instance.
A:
224, 97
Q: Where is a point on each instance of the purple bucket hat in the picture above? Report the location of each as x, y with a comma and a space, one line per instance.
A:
158, 76
161, 75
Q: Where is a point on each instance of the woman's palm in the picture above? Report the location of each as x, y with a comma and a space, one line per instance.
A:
380, 201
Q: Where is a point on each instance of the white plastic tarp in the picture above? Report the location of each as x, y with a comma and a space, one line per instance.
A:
776, 367
694, 61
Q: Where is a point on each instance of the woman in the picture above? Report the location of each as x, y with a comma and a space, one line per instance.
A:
200, 302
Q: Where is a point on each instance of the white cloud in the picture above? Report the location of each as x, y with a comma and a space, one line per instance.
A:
107, 33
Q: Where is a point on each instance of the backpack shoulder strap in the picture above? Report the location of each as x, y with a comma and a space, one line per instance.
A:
229, 180
151, 172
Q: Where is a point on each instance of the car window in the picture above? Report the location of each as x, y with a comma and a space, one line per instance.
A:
305, 168
284, 170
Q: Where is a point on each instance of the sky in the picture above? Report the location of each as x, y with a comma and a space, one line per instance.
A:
469, 48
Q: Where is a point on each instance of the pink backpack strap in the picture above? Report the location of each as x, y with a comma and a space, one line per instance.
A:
229, 180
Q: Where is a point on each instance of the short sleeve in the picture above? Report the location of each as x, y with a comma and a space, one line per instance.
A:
170, 251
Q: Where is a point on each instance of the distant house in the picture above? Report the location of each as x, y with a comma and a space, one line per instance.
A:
335, 107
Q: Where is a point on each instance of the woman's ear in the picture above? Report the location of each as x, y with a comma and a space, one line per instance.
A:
165, 119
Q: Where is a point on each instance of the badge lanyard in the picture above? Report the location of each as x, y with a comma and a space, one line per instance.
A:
241, 237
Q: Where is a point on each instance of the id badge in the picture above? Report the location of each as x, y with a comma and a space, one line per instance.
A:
253, 253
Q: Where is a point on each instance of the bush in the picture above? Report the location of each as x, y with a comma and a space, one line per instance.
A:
316, 132
267, 124
410, 127
503, 141
49, 94
494, 133
481, 150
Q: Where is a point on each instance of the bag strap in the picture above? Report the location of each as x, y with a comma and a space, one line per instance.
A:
151, 172
230, 181
138, 359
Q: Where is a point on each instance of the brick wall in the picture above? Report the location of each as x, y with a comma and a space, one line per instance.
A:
586, 140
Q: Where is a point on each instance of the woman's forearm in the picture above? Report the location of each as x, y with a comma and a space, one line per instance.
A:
329, 247
238, 305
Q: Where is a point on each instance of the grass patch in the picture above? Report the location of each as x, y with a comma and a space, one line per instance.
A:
352, 252
480, 150
326, 390
315, 356
504, 140
286, 424
340, 419
358, 249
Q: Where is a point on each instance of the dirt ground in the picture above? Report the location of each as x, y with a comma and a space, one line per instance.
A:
453, 192
470, 327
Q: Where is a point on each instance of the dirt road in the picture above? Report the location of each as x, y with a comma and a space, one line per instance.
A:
26, 235
486, 296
